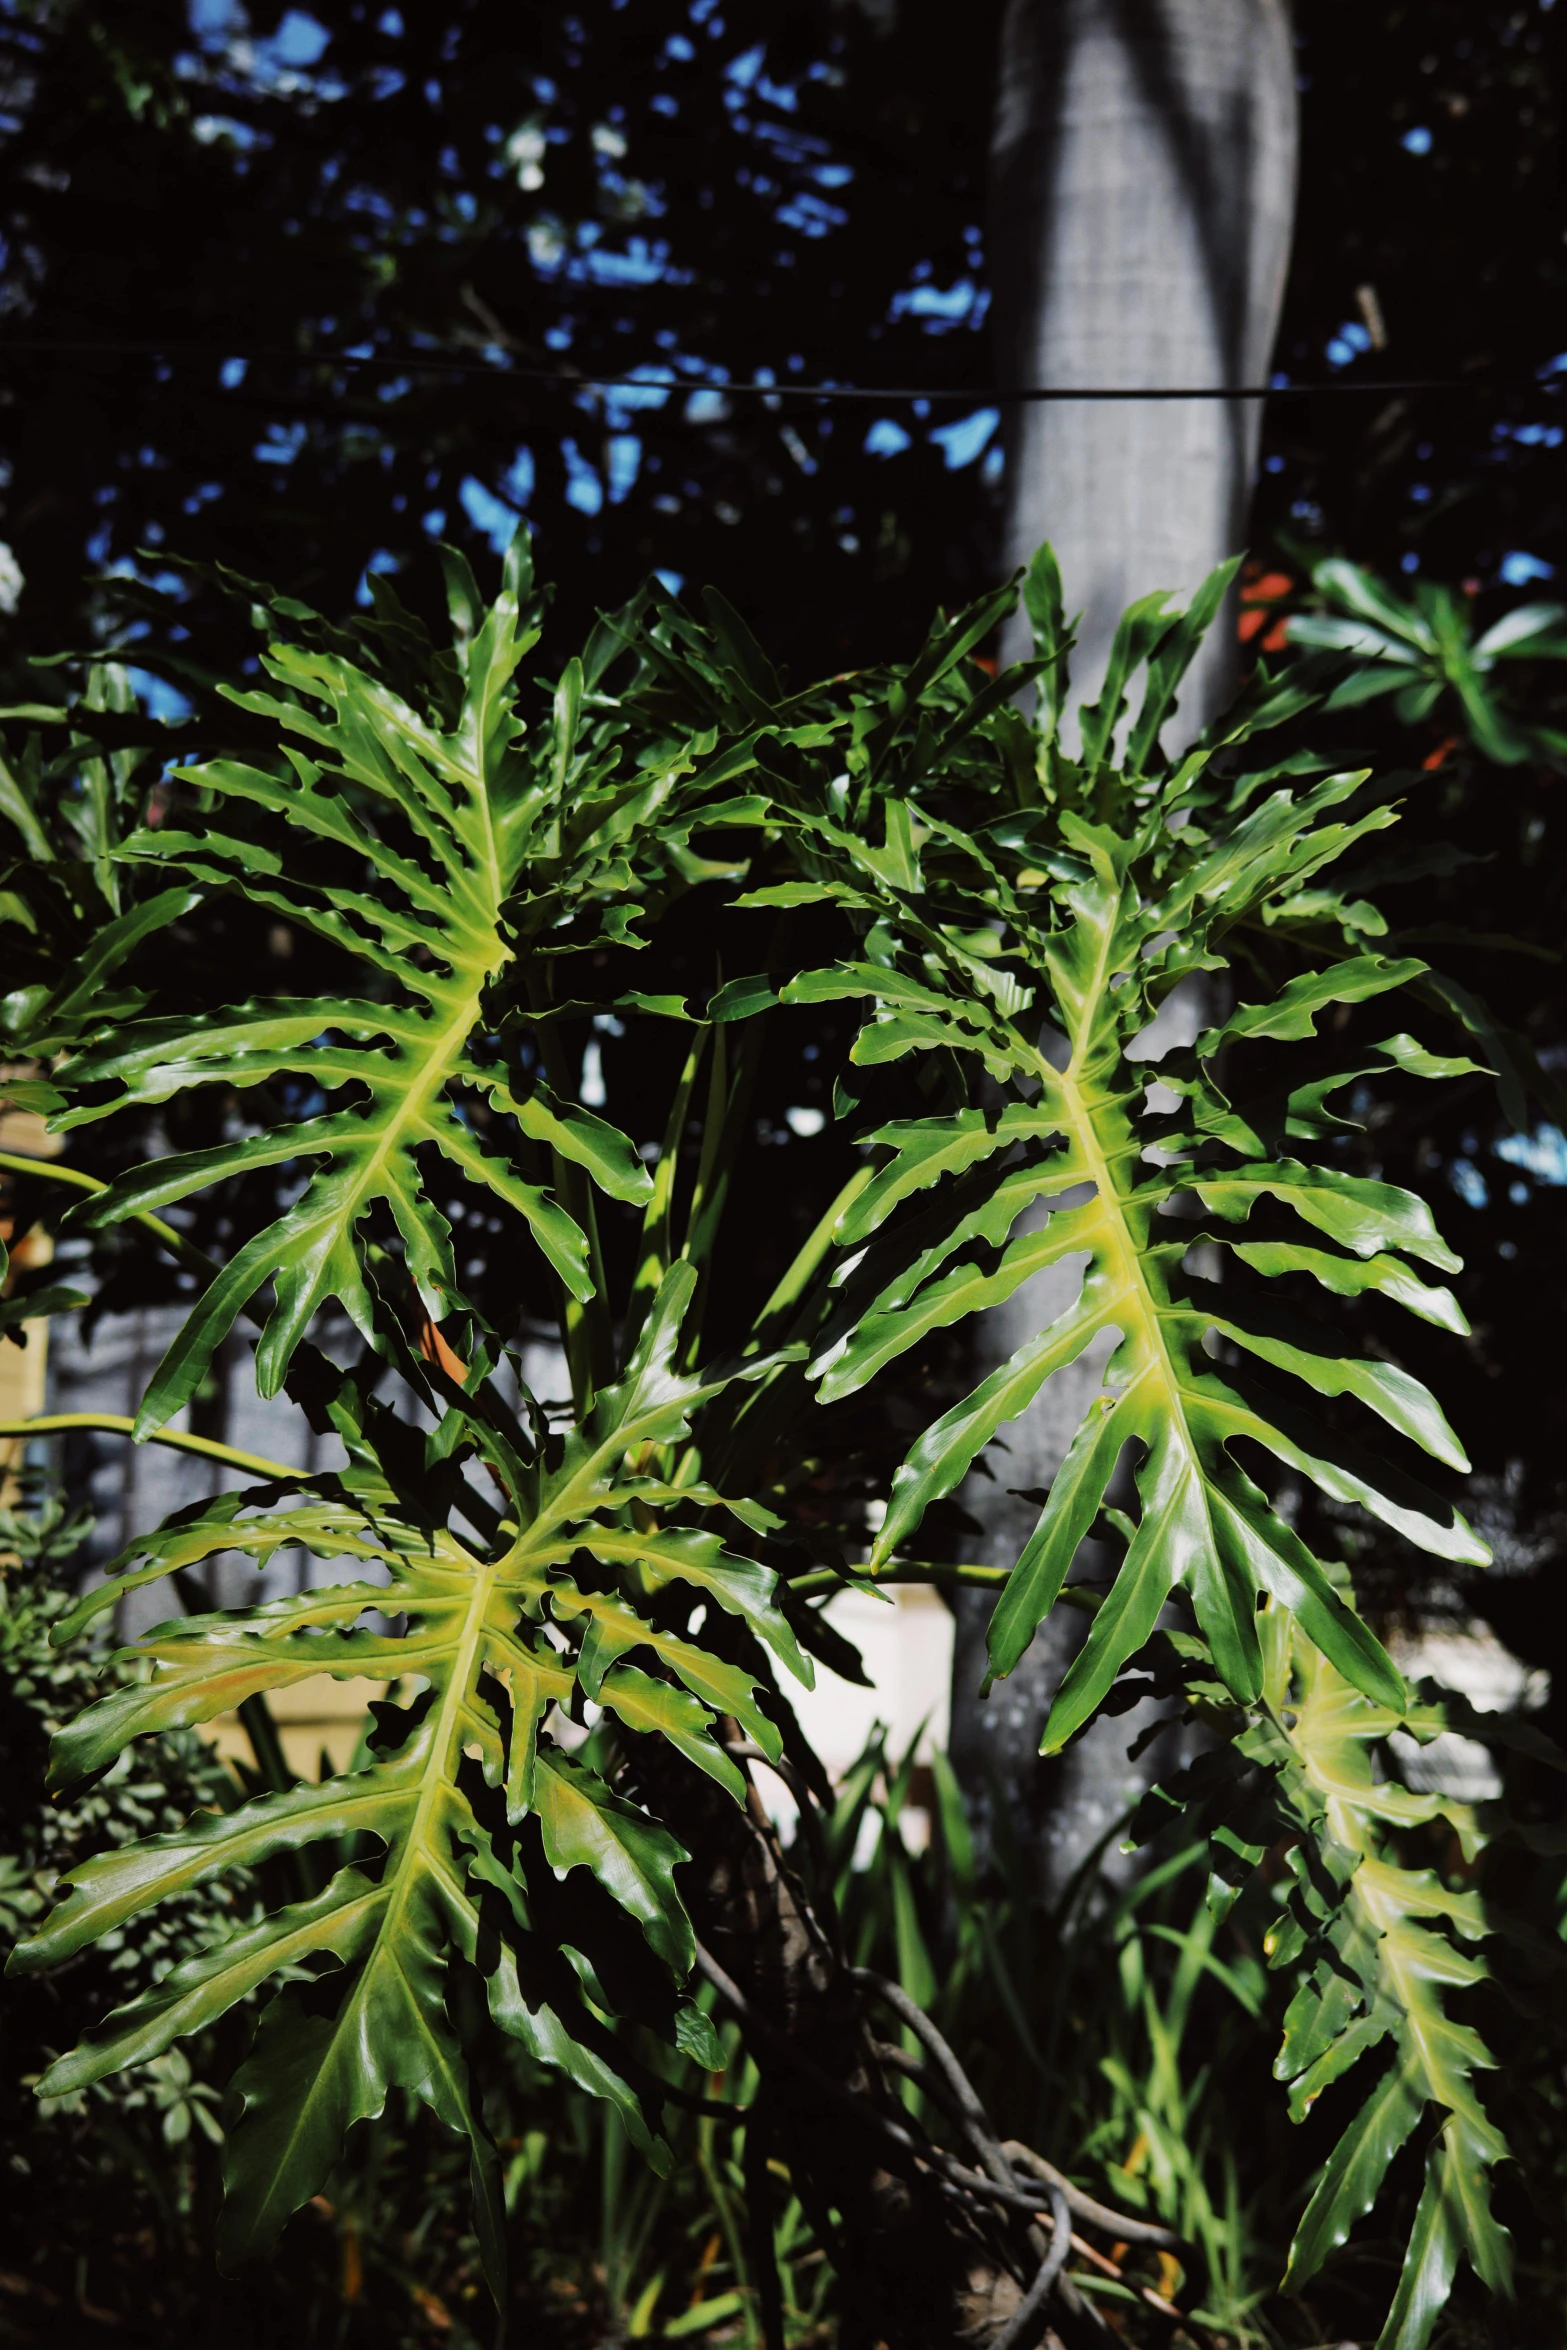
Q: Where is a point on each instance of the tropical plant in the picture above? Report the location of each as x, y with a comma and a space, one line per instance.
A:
146, 2119
961, 922
1424, 651
72, 911
1379, 1940
111, 2187
1006, 918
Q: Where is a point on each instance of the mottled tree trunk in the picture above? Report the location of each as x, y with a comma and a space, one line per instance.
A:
1143, 193
1143, 196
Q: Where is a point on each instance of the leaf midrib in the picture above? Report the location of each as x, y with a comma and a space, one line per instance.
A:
1100, 1168
413, 1108
419, 1846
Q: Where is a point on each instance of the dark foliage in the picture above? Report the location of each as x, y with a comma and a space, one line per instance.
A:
791, 188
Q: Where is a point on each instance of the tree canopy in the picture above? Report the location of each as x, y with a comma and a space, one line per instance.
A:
207, 208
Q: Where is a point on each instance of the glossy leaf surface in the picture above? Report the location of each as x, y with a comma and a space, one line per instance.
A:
436, 849
472, 1809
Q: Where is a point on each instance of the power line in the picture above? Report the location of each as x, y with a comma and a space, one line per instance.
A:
765, 388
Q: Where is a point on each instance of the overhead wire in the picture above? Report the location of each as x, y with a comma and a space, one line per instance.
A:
767, 387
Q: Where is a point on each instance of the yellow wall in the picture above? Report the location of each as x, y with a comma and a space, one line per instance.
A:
316, 1714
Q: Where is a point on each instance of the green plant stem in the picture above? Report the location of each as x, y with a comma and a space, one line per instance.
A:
901, 1571
728, 1103
657, 1244
586, 1334
121, 1424
809, 1255
194, 1259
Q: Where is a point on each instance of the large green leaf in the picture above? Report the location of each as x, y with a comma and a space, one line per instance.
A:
1379, 1947
1193, 1370
997, 883
493, 1641
442, 859
1381, 1963
1010, 916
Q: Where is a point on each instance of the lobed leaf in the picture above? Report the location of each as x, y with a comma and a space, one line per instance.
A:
506, 835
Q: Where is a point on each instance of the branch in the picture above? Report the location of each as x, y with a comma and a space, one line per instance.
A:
975, 2120
1011, 2156
1020, 2326
1052, 2201
712, 2109
1116, 2224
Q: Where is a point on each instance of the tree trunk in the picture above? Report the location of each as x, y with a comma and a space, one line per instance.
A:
1143, 198
1142, 201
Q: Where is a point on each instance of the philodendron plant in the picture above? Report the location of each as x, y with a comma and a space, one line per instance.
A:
995, 918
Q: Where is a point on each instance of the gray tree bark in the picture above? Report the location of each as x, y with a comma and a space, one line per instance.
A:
1142, 204
1143, 199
